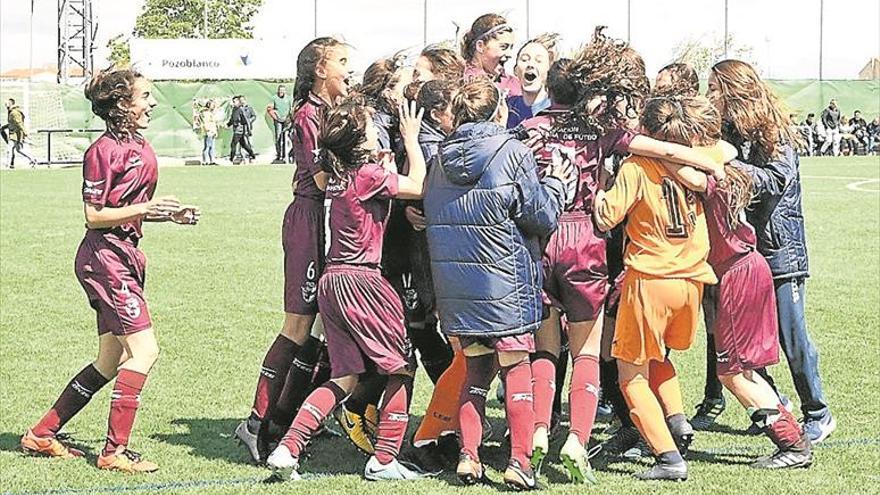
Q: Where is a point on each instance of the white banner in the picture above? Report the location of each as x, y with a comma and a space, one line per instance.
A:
213, 59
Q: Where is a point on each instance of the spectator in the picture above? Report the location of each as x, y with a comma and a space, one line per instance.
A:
859, 129
250, 117
207, 123
848, 142
873, 133
831, 123
280, 111
239, 123
805, 131
17, 133
808, 129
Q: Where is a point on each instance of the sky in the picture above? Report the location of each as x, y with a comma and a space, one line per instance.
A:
783, 34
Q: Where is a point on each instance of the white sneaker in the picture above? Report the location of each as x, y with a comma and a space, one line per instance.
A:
282, 462
248, 439
393, 471
574, 458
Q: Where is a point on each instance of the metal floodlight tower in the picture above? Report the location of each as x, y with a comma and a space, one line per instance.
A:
76, 37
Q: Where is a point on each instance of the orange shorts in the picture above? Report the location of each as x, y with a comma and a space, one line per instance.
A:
655, 313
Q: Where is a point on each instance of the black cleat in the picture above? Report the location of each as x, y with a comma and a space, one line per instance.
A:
787, 459
625, 439
707, 412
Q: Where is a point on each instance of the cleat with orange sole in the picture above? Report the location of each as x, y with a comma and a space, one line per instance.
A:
126, 461
47, 446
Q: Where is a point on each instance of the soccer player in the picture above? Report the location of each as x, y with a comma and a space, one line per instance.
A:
533, 60
436, 62
575, 268
120, 173
756, 122
322, 77
486, 47
746, 330
363, 316
486, 210
665, 271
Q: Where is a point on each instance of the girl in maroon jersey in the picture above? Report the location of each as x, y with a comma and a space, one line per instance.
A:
322, 78
119, 177
486, 47
363, 316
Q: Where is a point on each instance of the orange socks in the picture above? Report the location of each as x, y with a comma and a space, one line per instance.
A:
666, 387
442, 413
647, 415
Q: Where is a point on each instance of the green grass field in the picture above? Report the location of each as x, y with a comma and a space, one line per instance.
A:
215, 295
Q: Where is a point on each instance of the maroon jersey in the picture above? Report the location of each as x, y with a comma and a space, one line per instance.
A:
359, 206
306, 121
117, 173
589, 149
726, 243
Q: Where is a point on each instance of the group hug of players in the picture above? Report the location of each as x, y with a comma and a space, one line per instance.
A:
492, 224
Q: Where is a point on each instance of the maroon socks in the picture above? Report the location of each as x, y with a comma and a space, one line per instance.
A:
318, 405
519, 403
124, 404
584, 397
273, 373
472, 402
393, 417
544, 387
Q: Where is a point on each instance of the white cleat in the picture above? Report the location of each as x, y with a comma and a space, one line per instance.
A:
282, 462
248, 439
393, 471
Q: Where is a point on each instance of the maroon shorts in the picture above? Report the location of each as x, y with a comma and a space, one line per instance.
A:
112, 272
746, 329
363, 321
512, 343
575, 272
302, 237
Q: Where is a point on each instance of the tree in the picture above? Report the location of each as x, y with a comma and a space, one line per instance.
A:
120, 52
702, 55
186, 19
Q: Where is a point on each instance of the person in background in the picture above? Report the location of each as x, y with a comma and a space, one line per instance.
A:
17, 133
207, 123
808, 130
280, 113
859, 128
238, 123
831, 123
250, 117
873, 132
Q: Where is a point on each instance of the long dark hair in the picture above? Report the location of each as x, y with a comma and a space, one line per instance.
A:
485, 27
111, 93
341, 137
306, 62
435, 95
607, 68
379, 77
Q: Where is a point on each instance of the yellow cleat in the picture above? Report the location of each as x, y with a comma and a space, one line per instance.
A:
126, 461
47, 446
371, 420
354, 427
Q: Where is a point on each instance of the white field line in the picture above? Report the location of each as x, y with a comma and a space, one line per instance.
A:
857, 184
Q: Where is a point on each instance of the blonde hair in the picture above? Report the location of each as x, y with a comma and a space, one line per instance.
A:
475, 101
691, 121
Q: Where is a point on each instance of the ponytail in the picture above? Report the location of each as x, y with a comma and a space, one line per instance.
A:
306, 62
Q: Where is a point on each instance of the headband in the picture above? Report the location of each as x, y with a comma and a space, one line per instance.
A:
494, 30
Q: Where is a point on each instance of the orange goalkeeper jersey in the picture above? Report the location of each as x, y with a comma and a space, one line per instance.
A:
665, 225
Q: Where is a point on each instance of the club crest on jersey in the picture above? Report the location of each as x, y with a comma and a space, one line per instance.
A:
411, 299
309, 291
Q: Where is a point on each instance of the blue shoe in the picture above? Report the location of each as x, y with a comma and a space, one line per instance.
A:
818, 429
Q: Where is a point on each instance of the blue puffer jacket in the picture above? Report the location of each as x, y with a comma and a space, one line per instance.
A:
777, 214
487, 211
